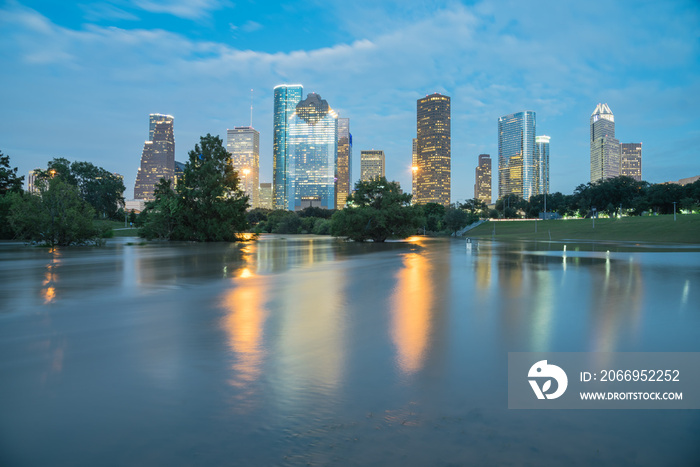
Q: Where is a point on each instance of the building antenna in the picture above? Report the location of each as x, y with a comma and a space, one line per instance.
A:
251, 108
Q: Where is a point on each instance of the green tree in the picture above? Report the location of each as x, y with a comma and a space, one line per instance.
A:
433, 214
162, 215
56, 217
377, 210
99, 187
208, 206
10, 184
456, 218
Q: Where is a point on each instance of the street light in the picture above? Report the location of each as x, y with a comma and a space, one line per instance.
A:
593, 216
674, 211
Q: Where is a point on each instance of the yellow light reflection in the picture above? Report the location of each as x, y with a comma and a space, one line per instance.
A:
50, 277
412, 302
244, 324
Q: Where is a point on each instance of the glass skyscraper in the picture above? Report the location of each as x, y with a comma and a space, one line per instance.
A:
343, 168
542, 165
287, 96
605, 149
157, 158
312, 146
516, 155
243, 143
433, 158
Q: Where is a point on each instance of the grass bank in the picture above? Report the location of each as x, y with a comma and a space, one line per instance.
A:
652, 229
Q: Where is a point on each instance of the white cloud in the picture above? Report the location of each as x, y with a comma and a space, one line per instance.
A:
189, 9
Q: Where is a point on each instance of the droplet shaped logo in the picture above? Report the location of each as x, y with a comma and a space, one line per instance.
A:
544, 372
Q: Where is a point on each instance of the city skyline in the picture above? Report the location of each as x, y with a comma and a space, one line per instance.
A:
82, 64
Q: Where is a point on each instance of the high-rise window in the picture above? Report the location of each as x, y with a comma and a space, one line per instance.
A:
433, 151
243, 143
287, 96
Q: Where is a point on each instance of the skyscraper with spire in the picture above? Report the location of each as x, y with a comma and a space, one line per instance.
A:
243, 143
286, 98
605, 149
157, 158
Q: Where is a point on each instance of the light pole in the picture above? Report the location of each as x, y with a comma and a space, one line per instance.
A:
674, 211
593, 216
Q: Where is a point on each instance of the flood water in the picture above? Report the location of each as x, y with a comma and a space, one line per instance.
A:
309, 351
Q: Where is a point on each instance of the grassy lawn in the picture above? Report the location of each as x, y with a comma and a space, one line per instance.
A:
118, 228
655, 229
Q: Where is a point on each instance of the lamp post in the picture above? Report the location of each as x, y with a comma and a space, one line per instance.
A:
593, 216
674, 211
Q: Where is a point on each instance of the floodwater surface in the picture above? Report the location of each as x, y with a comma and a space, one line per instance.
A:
310, 351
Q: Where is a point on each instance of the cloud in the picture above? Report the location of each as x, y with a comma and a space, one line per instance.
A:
492, 59
188, 9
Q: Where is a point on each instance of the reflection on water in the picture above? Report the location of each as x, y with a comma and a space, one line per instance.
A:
411, 311
303, 350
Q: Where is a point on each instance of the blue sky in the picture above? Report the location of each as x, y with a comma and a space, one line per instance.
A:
79, 79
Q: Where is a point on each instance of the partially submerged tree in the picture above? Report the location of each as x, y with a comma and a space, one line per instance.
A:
207, 205
376, 211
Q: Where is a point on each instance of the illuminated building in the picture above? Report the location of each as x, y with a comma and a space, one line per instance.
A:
605, 149
343, 168
371, 165
179, 171
414, 168
312, 145
433, 150
266, 196
243, 143
542, 165
287, 96
482, 187
516, 155
158, 157
31, 181
631, 160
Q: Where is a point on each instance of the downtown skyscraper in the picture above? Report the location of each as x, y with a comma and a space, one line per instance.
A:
343, 167
312, 145
482, 186
517, 168
372, 165
605, 149
286, 98
157, 158
542, 165
243, 143
432, 169
631, 160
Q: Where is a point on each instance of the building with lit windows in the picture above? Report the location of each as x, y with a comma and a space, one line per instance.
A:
243, 143
312, 145
266, 195
542, 164
433, 158
516, 155
482, 187
286, 98
32, 186
631, 160
372, 165
157, 158
343, 167
605, 149
414, 168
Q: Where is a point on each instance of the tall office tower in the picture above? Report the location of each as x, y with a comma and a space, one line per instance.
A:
605, 149
266, 195
312, 146
287, 96
414, 168
482, 187
31, 181
542, 165
372, 165
343, 167
433, 157
631, 160
243, 143
158, 157
516, 155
